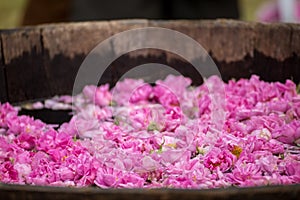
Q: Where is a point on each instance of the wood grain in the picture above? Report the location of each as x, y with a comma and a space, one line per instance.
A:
23, 60
3, 88
65, 48
18, 192
42, 61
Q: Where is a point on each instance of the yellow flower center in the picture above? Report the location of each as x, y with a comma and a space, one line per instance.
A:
236, 151
64, 158
172, 145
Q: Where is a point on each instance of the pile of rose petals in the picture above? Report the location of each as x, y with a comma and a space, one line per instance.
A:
241, 133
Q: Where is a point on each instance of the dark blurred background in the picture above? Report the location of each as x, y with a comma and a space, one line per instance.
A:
43, 11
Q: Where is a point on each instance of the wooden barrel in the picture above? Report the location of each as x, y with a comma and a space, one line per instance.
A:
17, 192
42, 61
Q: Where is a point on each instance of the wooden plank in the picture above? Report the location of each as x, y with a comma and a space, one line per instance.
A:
26, 77
226, 40
273, 40
232, 40
3, 87
240, 49
144, 56
20, 192
65, 48
3, 91
128, 60
294, 40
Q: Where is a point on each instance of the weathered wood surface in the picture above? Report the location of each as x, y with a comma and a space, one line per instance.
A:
24, 66
42, 61
3, 89
18, 192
